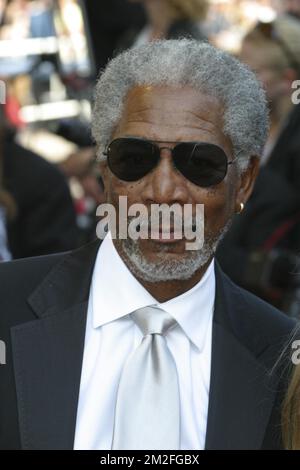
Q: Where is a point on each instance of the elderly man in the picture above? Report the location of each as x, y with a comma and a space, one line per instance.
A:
141, 343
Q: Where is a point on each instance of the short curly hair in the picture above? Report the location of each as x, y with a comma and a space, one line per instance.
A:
179, 63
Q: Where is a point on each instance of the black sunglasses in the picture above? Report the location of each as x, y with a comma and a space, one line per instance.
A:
204, 164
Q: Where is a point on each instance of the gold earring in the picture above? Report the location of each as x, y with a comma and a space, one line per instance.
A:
242, 205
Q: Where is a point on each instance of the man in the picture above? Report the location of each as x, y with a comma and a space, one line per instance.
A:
143, 344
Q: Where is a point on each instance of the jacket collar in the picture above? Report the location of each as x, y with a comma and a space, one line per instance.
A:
67, 284
242, 390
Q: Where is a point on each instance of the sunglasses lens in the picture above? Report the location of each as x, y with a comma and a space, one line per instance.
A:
131, 159
204, 164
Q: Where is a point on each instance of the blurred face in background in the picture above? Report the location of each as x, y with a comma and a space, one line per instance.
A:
272, 70
194, 10
292, 6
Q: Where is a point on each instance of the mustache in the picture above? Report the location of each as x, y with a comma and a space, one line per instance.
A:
161, 224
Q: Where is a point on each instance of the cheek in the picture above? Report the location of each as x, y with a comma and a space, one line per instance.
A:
119, 188
219, 204
219, 201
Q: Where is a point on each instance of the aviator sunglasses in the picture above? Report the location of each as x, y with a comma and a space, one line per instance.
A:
204, 164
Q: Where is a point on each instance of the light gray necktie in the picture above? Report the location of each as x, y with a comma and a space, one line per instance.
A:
147, 414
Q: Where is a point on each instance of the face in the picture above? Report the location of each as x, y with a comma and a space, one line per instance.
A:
293, 6
175, 115
259, 61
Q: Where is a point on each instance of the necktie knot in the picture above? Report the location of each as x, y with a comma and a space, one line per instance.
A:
153, 320
147, 414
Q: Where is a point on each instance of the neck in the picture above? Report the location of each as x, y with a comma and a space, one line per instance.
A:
167, 290
160, 16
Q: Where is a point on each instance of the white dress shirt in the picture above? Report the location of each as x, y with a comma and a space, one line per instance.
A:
111, 335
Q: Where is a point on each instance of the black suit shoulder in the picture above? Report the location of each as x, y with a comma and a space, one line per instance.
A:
18, 279
257, 324
31, 286
29, 175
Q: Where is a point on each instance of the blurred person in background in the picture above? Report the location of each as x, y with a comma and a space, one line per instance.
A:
42, 19
266, 236
264, 241
2, 9
7, 209
14, 19
272, 50
14, 26
168, 19
42, 25
41, 219
292, 7
107, 22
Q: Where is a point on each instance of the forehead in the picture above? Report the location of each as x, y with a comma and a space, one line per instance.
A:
171, 114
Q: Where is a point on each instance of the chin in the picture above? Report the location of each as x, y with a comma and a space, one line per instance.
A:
154, 248
163, 265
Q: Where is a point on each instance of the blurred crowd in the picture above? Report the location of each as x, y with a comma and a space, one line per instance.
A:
50, 54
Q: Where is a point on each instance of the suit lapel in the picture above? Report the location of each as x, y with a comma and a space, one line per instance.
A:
47, 361
241, 396
241, 390
48, 353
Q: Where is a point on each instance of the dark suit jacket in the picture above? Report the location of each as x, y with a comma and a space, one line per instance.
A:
285, 156
43, 315
273, 203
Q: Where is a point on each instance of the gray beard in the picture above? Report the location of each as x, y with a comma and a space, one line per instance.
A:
168, 269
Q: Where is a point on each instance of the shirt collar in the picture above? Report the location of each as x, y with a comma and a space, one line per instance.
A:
193, 310
115, 293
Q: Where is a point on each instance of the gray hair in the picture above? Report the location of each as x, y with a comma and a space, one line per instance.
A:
185, 62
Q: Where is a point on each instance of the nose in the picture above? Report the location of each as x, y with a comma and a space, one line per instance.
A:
165, 185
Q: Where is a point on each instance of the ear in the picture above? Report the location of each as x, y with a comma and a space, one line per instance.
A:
246, 184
